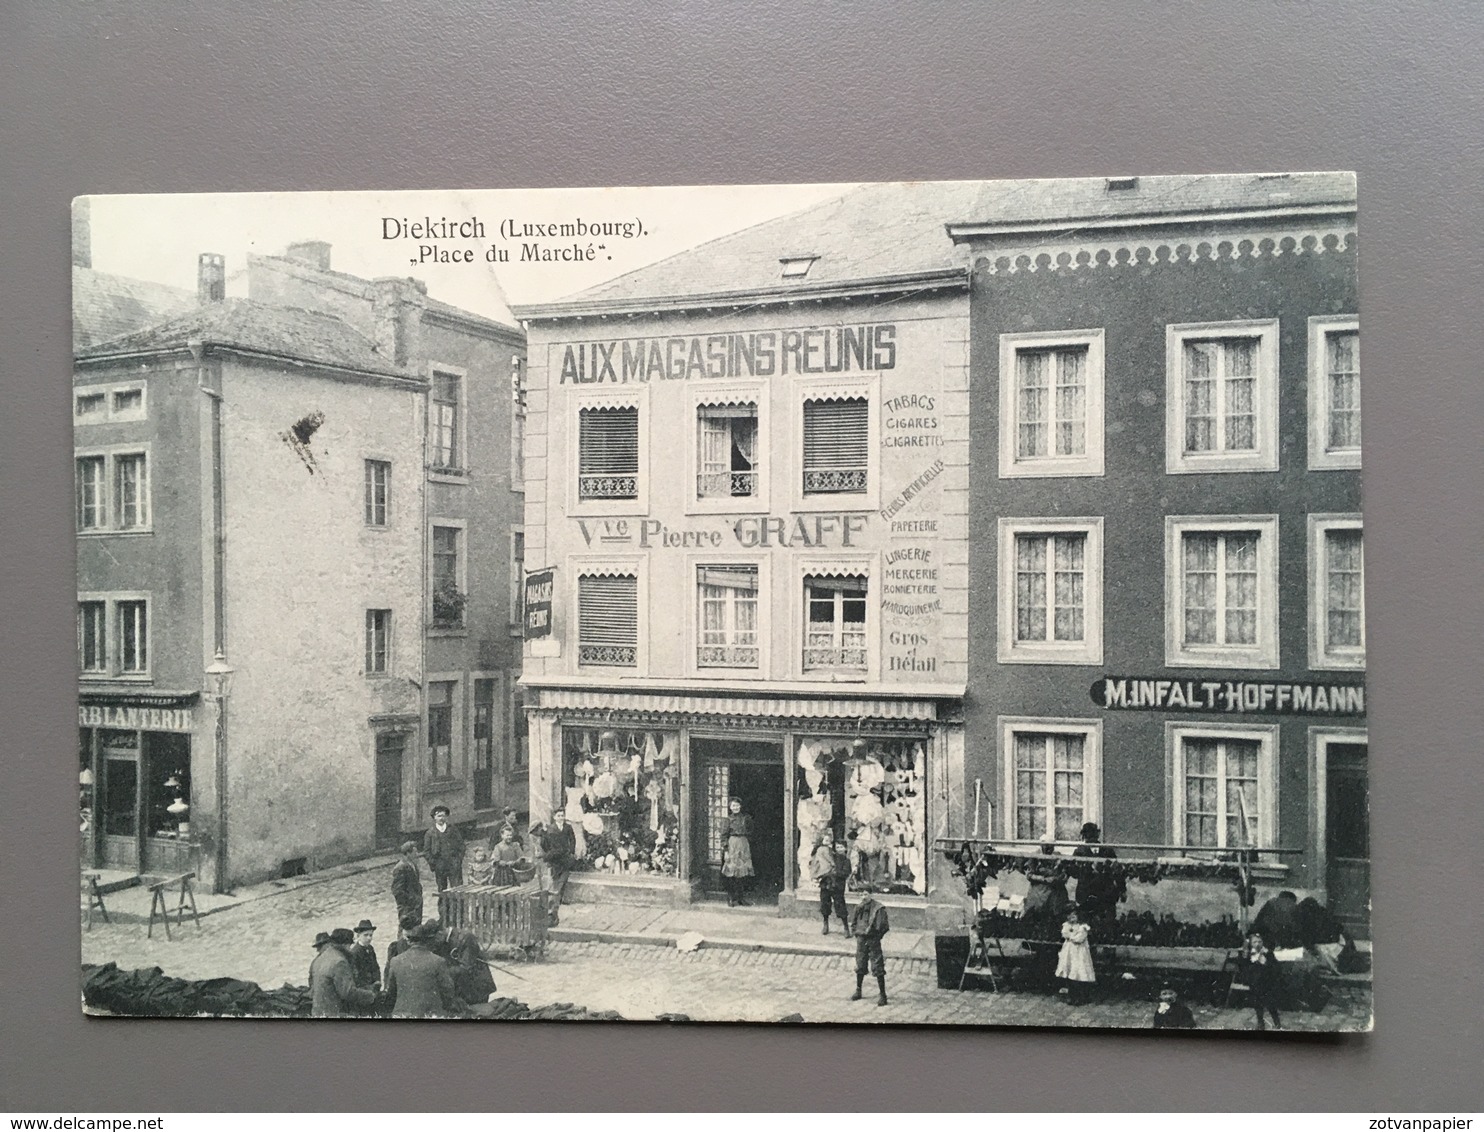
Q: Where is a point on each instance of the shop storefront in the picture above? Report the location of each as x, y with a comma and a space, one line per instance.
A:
646, 780
135, 783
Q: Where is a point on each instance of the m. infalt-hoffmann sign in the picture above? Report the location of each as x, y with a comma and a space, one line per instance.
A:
1143, 693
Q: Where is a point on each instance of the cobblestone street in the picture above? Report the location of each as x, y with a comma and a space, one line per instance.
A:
266, 939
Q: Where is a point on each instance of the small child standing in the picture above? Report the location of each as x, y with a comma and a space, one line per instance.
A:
1170, 1013
1074, 963
1263, 975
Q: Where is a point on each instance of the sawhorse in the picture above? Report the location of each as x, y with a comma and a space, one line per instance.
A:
159, 907
95, 899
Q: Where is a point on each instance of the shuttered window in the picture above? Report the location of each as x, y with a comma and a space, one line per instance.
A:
836, 446
608, 453
608, 620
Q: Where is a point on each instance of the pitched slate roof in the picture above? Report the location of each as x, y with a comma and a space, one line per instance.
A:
105, 306
878, 232
253, 327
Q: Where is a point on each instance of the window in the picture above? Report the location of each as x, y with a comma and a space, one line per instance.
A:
1052, 776
1051, 404
440, 729
728, 617
517, 581
127, 402
608, 620
484, 740
131, 491
1336, 592
90, 407
445, 423
836, 446
517, 424
1334, 392
727, 447
835, 624
1222, 397
448, 597
608, 452
1051, 582
520, 742
133, 636
95, 406
378, 641
92, 636
1224, 786
92, 493
378, 492
1221, 591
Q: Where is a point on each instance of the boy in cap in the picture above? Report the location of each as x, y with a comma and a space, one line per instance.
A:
444, 849
830, 868
869, 923
407, 885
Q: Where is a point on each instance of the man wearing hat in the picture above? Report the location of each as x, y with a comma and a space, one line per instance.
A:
363, 961
419, 982
332, 985
1099, 891
444, 849
407, 885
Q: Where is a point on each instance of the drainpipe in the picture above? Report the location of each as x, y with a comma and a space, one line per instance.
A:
209, 383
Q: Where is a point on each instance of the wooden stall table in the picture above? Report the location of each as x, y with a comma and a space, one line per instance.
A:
158, 907
510, 918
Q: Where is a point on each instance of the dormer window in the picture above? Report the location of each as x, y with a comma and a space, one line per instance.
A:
797, 266
1121, 184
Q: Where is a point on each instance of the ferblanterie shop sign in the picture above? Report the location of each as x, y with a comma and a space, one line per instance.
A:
134, 718
1236, 697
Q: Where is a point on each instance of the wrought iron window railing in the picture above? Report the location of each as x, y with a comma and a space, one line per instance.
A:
615, 656
850, 659
608, 487
821, 481
727, 656
723, 485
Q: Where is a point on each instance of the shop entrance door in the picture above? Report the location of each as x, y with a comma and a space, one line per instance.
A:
120, 799
1347, 836
751, 771
389, 746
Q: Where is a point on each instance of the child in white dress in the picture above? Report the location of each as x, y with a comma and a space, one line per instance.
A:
1074, 964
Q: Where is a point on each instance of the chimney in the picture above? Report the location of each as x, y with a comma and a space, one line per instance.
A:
82, 232
211, 278
397, 316
316, 253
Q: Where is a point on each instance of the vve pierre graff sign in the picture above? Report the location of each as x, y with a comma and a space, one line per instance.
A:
1240, 697
537, 604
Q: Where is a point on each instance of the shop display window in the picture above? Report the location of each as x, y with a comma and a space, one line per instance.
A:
870, 794
168, 798
623, 798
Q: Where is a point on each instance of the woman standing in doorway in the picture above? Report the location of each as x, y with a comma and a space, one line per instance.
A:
736, 863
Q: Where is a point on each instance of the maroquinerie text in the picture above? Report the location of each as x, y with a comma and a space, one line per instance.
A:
763, 353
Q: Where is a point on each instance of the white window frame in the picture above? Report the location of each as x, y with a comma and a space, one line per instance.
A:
1089, 650
868, 387
103, 505
1090, 462
109, 414
1267, 736
111, 454
458, 752
758, 562
1092, 763
386, 521
1262, 654
517, 581
1264, 457
515, 706
623, 397
391, 623
461, 574
707, 393
106, 671
586, 566
1321, 456
1321, 655
826, 566
459, 474
114, 642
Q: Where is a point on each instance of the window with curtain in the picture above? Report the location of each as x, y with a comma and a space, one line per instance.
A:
1050, 785
608, 453
1342, 386
835, 629
1050, 587
1344, 597
133, 633
1221, 395
727, 621
836, 446
1220, 792
608, 620
1051, 402
1219, 584
444, 426
727, 451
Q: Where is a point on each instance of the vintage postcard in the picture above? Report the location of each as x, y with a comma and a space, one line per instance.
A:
917, 603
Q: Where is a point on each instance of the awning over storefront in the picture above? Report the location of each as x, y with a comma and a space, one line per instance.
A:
153, 697
796, 706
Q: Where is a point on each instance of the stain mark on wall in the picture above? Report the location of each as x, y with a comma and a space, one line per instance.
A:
300, 433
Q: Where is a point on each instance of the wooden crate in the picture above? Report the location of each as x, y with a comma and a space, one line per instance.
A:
510, 919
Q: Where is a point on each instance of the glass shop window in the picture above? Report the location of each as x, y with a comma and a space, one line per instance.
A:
622, 795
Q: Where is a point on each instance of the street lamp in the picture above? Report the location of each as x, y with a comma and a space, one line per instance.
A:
219, 677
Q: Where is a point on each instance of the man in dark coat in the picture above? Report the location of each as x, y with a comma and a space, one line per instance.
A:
419, 981
407, 885
869, 923
1280, 922
332, 985
444, 849
363, 962
1098, 891
558, 855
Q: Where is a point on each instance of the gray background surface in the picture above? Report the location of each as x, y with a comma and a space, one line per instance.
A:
158, 96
